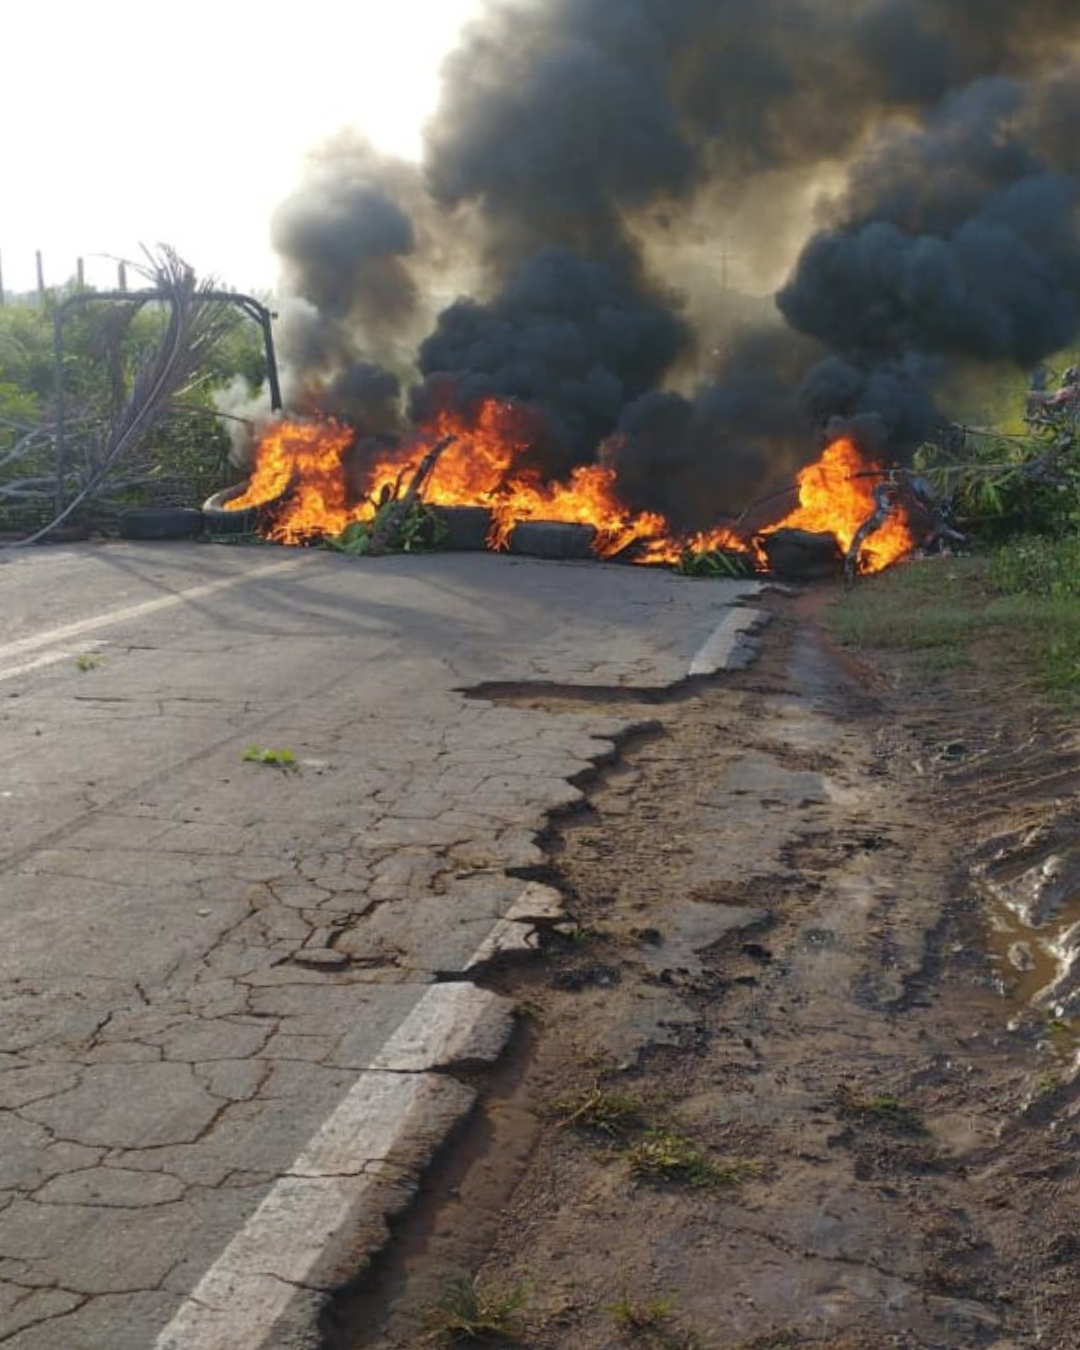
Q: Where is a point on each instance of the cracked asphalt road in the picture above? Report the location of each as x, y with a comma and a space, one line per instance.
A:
232, 995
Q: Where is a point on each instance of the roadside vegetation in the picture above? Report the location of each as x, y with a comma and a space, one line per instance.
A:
655, 1148
473, 1312
183, 457
1009, 600
1015, 609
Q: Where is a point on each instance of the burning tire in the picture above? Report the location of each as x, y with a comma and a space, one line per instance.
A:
160, 522
220, 520
467, 527
559, 540
802, 555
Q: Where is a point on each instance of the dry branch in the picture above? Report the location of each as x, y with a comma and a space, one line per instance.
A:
387, 525
195, 325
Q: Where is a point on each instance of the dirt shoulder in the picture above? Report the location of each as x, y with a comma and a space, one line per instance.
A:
779, 1085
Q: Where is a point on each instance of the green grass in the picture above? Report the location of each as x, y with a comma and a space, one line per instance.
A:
942, 660
654, 1148
883, 1110
664, 1155
1019, 609
616, 1115
653, 1324
633, 1315
1045, 1085
921, 606
1034, 566
475, 1313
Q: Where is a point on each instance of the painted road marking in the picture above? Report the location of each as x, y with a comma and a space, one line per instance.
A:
729, 647
50, 658
337, 1182
62, 637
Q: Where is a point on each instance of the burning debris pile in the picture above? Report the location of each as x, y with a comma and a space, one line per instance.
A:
317, 487
902, 175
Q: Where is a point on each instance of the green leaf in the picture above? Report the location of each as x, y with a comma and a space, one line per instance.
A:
255, 754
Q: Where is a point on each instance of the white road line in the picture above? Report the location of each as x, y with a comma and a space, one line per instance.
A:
50, 658
721, 650
336, 1186
68, 632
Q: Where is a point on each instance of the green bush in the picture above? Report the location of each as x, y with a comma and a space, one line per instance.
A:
999, 487
1037, 565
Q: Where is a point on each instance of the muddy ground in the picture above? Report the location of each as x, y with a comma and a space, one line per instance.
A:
794, 1078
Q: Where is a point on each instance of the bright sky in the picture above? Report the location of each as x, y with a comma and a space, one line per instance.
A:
124, 123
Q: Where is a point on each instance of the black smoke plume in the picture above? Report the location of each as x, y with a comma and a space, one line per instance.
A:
578, 142
576, 337
957, 238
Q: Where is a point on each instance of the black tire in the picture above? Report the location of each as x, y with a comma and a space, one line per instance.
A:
560, 540
467, 527
160, 522
220, 520
801, 555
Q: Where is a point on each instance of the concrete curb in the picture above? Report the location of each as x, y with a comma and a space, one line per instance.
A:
733, 645
327, 1216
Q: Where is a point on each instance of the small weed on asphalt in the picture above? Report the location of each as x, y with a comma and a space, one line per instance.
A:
282, 759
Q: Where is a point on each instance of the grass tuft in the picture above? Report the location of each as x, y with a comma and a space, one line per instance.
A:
884, 1110
616, 1115
475, 1313
663, 1155
653, 1324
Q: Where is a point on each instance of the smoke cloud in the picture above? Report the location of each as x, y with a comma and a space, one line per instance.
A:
600, 170
576, 337
956, 238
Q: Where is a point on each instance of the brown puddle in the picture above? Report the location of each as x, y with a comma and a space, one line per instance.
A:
1033, 886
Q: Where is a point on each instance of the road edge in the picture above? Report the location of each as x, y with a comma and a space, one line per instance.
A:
328, 1216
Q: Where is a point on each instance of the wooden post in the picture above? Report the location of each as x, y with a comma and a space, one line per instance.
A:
121, 276
40, 275
1, 281
80, 274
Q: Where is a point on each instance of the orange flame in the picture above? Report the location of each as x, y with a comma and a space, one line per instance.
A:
589, 497
323, 485
303, 459
836, 496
